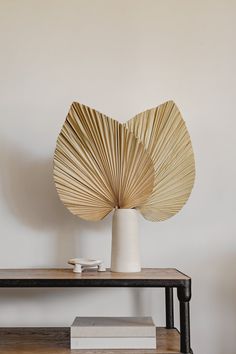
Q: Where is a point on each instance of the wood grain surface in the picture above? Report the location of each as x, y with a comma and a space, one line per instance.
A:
145, 274
57, 340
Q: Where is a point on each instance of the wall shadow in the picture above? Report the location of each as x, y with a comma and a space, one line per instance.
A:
225, 292
214, 291
29, 192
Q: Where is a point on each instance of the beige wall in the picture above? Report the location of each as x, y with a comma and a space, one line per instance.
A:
119, 57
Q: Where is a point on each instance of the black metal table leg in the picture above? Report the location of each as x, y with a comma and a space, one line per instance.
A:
184, 296
169, 308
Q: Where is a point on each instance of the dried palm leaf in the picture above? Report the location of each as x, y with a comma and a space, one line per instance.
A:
100, 165
163, 132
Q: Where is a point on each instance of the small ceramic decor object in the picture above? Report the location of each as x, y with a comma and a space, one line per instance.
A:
81, 264
146, 165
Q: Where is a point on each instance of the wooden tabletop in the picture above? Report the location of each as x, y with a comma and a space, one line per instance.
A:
57, 341
148, 277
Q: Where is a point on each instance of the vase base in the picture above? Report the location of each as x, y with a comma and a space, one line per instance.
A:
121, 271
126, 270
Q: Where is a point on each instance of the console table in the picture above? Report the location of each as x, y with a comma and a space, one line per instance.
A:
56, 340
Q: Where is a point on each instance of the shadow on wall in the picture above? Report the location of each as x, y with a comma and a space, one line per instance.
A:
29, 192
225, 292
214, 292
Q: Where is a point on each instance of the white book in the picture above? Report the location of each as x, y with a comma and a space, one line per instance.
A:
114, 343
113, 327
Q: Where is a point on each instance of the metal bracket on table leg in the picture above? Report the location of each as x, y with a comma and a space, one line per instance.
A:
169, 308
184, 296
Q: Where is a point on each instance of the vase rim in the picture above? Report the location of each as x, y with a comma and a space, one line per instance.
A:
125, 209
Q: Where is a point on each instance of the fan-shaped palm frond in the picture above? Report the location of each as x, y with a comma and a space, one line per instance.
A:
100, 165
146, 163
163, 132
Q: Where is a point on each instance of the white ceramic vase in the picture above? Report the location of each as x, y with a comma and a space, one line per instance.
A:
125, 255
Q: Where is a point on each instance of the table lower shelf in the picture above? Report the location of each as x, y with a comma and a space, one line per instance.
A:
57, 340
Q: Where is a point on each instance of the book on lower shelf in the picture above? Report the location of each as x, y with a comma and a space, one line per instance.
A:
113, 333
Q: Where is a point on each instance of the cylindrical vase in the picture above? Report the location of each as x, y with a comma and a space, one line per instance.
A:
125, 256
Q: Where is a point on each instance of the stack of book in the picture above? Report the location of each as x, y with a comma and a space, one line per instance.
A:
113, 333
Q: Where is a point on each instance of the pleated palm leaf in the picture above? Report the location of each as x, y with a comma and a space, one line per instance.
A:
146, 163
163, 132
100, 165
